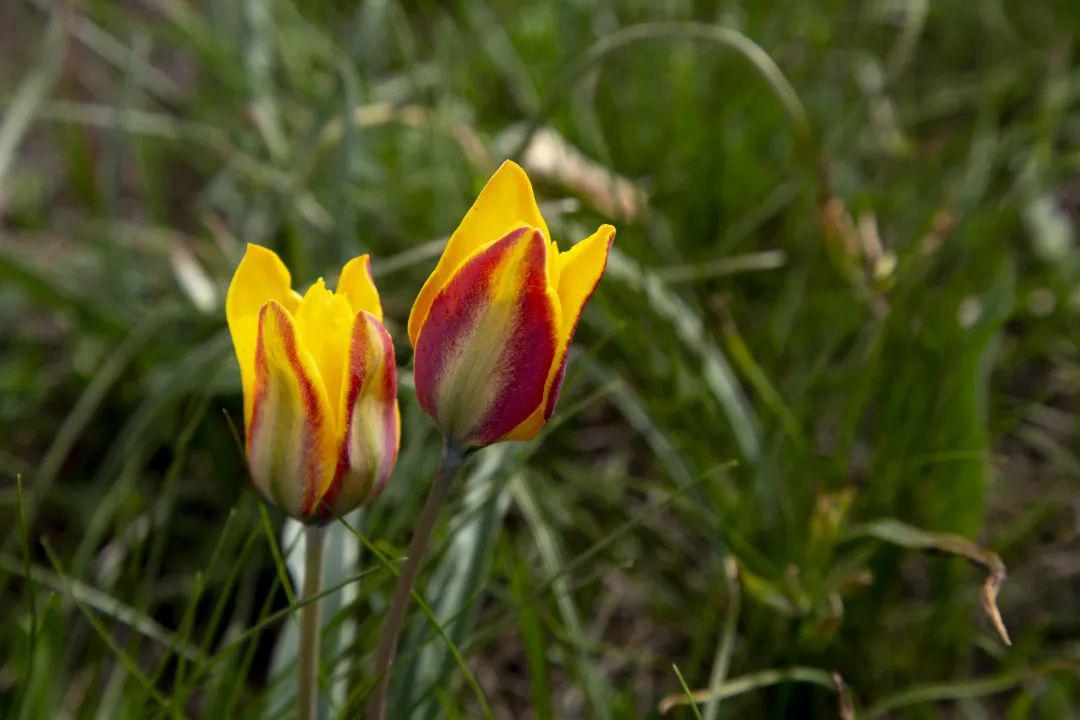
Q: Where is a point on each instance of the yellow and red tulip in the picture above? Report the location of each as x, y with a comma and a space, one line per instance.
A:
492, 324
321, 416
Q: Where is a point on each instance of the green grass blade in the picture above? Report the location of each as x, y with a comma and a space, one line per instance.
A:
102, 632
22, 699
547, 543
646, 32
91, 598
690, 329
686, 690
727, 639
461, 573
451, 646
31, 93
749, 683
964, 689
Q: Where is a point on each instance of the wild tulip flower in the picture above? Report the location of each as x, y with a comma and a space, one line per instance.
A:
491, 328
320, 386
492, 325
321, 416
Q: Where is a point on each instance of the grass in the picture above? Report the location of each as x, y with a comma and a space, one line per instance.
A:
834, 360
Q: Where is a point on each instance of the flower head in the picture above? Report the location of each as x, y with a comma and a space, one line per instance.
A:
492, 324
321, 416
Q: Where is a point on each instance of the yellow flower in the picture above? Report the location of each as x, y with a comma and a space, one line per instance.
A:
492, 324
321, 416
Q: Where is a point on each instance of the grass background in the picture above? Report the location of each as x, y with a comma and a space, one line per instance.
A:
844, 297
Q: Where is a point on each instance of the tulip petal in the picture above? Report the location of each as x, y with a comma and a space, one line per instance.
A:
506, 202
581, 268
578, 271
324, 323
259, 278
291, 443
369, 417
358, 286
485, 351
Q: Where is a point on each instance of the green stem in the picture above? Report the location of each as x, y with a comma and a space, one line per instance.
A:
452, 459
309, 622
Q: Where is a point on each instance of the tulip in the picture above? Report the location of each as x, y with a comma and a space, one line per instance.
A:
321, 416
492, 325
490, 328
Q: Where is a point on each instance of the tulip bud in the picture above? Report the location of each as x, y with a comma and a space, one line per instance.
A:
319, 378
492, 325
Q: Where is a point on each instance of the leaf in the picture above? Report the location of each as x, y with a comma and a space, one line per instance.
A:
907, 536
768, 593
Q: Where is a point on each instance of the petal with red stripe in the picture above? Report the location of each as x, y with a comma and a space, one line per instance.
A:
369, 417
259, 278
505, 202
291, 439
486, 347
577, 272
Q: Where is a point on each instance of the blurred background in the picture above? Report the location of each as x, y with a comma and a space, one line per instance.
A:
824, 393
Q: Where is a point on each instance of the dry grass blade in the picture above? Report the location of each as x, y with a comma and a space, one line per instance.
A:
913, 538
551, 157
843, 697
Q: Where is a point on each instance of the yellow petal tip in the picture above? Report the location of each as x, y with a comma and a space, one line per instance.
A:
357, 284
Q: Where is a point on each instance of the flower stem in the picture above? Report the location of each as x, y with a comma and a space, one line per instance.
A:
452, 459
309, 622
